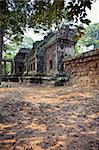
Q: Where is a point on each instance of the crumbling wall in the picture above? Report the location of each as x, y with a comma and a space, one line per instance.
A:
83, 69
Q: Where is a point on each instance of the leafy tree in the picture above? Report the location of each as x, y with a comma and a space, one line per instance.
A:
49, 12
27, 42
11, 48
13, 20
91, 37
16, 15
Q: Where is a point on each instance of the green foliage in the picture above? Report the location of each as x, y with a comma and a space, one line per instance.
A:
8, 69
53, 12
27, 42
89, 38
9, 50
17, 15
12, 48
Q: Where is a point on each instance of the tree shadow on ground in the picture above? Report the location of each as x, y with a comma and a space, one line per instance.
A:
67, 125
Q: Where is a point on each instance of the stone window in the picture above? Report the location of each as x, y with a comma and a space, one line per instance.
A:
24, 67
31, 67
51, 64
34, 66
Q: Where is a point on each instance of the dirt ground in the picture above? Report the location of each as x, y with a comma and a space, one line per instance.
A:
49, 118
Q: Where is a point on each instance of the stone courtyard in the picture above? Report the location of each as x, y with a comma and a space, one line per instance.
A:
49, 118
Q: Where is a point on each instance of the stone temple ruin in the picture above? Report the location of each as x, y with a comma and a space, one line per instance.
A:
18, 67
46, 56
52, 60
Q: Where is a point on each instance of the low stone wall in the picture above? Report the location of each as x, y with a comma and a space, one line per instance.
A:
83, 69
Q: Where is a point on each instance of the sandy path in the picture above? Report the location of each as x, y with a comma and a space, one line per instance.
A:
48, 118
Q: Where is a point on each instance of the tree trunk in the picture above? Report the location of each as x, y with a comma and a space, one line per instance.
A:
1, 47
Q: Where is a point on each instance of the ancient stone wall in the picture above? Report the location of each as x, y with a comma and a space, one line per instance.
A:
83, 69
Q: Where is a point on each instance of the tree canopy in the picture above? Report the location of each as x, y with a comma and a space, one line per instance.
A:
47, 13
11, 48
90, 37
16, 15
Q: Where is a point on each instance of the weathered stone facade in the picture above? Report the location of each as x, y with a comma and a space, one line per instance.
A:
83, 69
18, 62
46, 56
54, 56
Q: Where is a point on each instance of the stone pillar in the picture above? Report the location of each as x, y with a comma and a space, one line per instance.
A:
56, 63
5, 71
35, 64
26, 67
11, 67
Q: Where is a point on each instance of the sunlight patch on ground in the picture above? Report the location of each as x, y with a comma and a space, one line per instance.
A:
7, 89
40, 127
